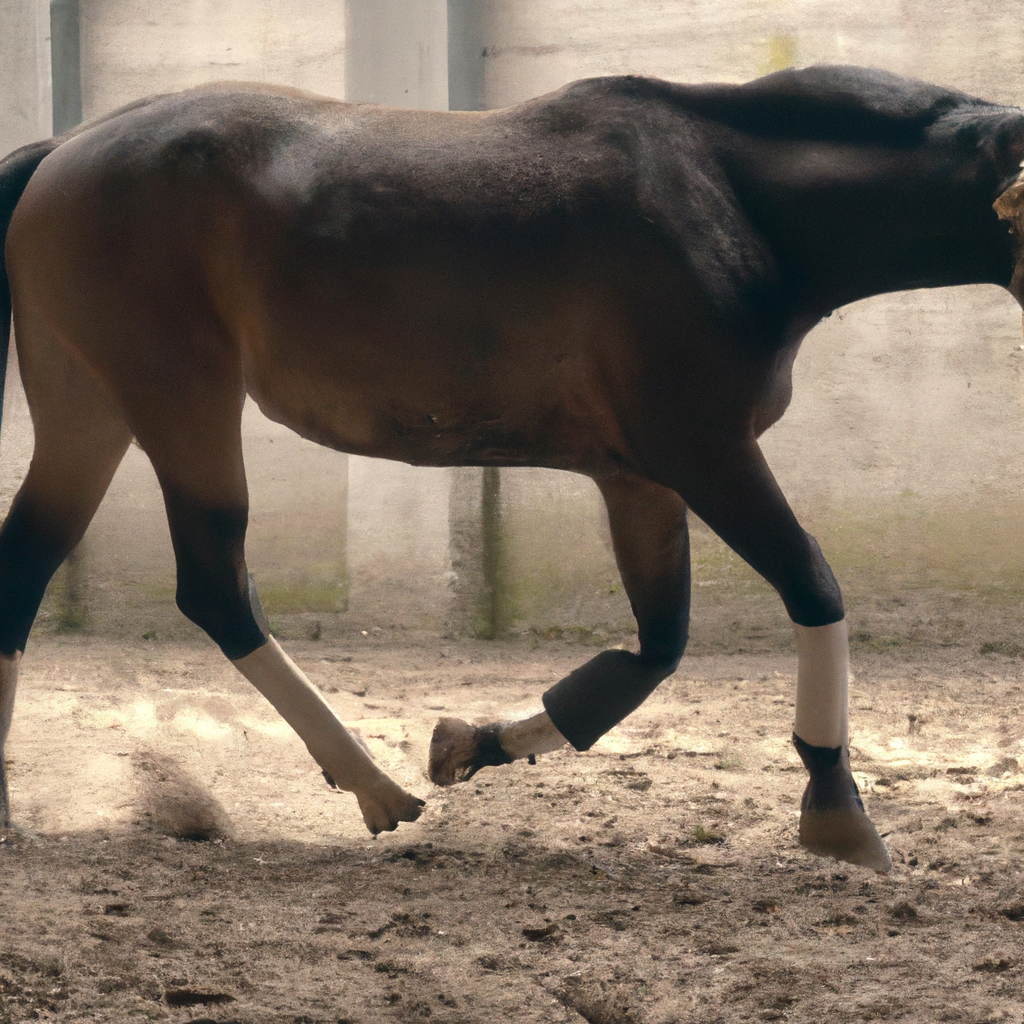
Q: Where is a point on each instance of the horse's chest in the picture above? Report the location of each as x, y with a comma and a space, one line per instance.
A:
776, 391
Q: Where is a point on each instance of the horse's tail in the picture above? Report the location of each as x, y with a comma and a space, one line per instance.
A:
15, 172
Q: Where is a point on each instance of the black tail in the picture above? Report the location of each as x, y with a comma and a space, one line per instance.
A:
15, 172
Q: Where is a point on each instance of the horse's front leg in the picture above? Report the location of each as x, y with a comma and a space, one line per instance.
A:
730, 486
651, 541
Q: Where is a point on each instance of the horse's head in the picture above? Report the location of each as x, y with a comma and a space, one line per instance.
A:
1010, 206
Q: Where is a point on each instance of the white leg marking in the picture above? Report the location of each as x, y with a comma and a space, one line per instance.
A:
534, 735
823, 685
8, 687
333, 747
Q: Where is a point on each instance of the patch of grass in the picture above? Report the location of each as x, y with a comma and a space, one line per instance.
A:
1005, 647
705, 837
876, 643
71, 618
595, 636
305, 593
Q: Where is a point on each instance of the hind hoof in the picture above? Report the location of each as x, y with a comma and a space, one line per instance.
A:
459, 750
386, 805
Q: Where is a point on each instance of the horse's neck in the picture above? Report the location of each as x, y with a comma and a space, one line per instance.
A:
850, 221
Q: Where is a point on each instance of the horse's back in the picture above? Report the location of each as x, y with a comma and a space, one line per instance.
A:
437, 288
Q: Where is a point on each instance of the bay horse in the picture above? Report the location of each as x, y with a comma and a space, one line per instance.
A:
613, 279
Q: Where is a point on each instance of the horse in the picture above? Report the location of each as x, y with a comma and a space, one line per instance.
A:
613, 279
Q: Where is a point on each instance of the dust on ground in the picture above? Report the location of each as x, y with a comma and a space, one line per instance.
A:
654, 879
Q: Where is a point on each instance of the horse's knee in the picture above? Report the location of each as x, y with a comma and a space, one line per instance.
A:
809, 590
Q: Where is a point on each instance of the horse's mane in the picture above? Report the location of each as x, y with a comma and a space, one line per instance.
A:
821, 102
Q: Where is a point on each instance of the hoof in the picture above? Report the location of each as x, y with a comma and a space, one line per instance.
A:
846, 835
833, 822
459, 750
386, 805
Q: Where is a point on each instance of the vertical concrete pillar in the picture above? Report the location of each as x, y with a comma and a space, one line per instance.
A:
24, 118
467, 51
399, 53
396, 54
480, 603
66, 61
428, 54
70, 587
24, 73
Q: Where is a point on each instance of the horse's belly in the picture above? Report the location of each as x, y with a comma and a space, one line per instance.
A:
450, 381
428, 418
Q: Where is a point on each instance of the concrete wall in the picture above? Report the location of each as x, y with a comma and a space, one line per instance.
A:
132, 48
901, 450
24, 72
533, 47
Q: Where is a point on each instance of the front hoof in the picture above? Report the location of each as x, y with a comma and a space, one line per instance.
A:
833, 822
846, 835
459, 750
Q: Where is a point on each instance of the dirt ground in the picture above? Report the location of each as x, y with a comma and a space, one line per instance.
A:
654, 879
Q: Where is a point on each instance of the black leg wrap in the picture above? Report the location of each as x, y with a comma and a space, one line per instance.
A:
598, 695
490, 752
831, 784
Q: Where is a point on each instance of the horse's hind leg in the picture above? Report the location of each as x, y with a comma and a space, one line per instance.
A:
651, 540
79, 442
198, 459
